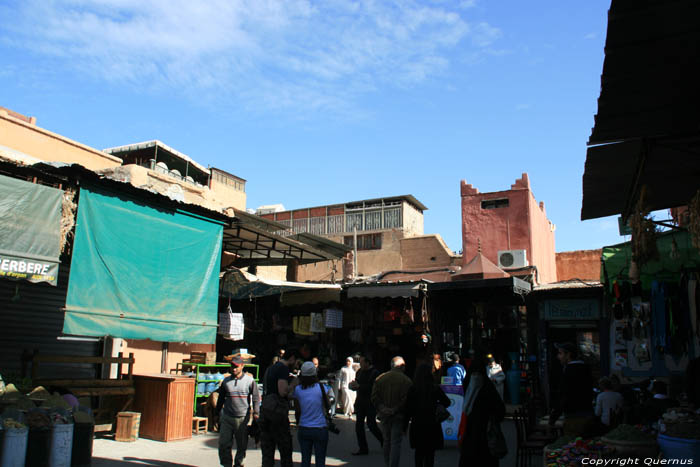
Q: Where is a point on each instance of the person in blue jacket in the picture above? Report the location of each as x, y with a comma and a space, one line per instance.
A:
456, 370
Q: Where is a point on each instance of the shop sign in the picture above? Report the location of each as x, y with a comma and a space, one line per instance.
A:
30, 224
572, 310
14, 267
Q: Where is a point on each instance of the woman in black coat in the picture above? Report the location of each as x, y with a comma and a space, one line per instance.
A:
481, 402
425, 435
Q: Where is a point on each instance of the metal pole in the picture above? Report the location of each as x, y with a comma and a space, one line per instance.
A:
354, 254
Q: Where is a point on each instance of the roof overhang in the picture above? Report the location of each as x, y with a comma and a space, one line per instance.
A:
254, 245
668, 169
517, 286
380, 290
152, 144
646, 131
239, 285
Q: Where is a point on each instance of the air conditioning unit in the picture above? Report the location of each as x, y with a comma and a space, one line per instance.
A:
510, 259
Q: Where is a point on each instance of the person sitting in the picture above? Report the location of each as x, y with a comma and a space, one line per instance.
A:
607, 401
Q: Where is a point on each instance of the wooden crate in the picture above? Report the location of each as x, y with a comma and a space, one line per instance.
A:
166, 404
128, 424
208, 358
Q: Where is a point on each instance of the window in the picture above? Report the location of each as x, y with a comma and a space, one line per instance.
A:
353, 221
299, 226
335, 224
494, 203
228, 180
392, 218
365, 242
373, 220
317, 225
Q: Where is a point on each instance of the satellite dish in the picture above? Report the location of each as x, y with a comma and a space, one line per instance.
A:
175, 173
161, 167
189, 179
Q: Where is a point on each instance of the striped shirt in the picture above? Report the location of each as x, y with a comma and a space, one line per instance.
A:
237, 395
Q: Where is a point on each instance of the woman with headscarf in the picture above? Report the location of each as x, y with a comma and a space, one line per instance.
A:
481, 402
347, 397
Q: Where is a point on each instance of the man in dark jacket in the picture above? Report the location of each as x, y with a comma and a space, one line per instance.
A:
364, 380
575, 396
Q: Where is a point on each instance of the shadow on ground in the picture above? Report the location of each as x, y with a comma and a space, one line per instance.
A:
101, 462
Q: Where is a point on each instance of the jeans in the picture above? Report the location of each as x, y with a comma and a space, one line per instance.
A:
392, 429
230, 427
371, 415
275, 435
315, 439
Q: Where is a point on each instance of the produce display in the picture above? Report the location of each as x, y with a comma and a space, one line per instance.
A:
681, 423
10, 423
570, 454
631, 433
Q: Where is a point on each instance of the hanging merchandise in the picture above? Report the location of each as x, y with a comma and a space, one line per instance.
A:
237, 327
317, 324
231, 325
225, 321
334, 318
408, 310
355, 336
658, 309
302, 325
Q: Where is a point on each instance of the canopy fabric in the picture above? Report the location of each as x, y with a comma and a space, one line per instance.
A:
647, 110
30, 230
616, 260
142, 272
239, 285
385, 291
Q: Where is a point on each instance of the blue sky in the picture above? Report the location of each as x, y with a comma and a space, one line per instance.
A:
319, 102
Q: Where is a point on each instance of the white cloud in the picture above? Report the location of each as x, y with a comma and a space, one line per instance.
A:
276, 53
591, 35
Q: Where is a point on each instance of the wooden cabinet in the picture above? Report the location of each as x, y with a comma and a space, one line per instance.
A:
166, 404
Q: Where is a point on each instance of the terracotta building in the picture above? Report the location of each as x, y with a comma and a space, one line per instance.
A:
510, 229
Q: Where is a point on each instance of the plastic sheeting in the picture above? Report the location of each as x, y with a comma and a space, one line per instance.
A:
30, 231
676, 253
141, 272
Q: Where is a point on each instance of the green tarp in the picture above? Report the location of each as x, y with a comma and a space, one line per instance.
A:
676, 253
30, 231
142, 272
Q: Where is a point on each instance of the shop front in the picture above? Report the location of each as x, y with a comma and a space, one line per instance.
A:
484, 316
654, 326
568, 312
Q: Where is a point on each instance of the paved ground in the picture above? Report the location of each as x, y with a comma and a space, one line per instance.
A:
201, 450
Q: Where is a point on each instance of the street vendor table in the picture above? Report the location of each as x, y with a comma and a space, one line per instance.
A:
165, 403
